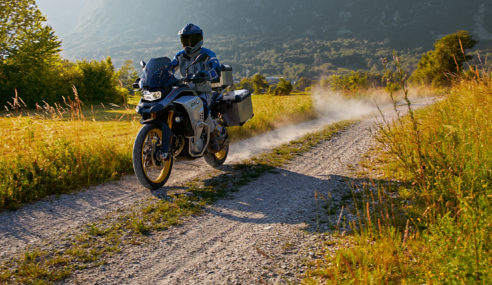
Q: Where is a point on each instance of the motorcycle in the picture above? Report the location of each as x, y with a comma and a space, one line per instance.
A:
178, 125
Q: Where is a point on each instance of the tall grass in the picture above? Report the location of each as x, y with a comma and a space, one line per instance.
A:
61, 148
41, 157
438, 229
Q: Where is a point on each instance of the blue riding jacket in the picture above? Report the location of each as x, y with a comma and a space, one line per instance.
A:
210, 66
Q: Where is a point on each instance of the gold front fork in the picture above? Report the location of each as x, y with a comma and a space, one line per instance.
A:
170, 118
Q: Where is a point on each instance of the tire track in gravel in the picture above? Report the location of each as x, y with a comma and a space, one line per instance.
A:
261, 235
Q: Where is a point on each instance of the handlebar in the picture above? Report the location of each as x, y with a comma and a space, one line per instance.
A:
196, 78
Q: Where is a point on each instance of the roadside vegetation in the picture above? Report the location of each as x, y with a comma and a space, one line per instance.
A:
423, 216
101, 239
41, 157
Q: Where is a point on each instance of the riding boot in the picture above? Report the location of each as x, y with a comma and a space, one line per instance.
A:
214, 144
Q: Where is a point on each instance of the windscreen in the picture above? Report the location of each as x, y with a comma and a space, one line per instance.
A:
156, 74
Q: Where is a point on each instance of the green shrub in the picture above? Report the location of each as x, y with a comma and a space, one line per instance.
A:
256, 84
302, 84
127, 75
349, 83
99, 83
438, 66
245, 83
284, 87
260, 84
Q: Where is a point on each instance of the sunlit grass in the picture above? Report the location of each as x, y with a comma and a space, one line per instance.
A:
40, 157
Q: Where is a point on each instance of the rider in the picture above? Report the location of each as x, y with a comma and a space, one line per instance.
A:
201, 73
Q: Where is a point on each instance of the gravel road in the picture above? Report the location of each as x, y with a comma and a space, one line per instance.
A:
262, 235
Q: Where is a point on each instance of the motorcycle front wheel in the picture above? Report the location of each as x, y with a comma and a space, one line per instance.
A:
151, 172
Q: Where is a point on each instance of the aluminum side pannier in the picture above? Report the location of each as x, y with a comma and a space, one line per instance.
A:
237, 108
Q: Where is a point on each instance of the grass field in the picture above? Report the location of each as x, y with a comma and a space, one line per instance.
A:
433, 227
59, 152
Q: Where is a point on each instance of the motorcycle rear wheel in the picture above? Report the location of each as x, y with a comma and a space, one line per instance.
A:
150, 171
217, 159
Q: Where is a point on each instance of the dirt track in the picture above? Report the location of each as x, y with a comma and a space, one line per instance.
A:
261, 235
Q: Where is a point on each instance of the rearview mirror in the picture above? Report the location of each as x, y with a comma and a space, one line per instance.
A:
143, 64
136, 84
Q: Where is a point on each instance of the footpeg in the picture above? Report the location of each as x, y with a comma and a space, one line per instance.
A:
213, 145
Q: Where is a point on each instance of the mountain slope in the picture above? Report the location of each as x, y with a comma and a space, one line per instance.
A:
133, 29
374, 20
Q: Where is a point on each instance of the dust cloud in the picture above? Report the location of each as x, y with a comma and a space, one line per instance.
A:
330, 106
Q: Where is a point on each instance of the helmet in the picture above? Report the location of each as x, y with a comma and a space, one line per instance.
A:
191, 38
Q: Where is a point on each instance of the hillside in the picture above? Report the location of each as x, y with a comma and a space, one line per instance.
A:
126, 29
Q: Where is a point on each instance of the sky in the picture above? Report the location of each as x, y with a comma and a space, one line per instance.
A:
64, 23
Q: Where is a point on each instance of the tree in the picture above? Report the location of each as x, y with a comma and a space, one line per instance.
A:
260, 84
303, 83
23, 32
349, 83
99, 82
284, 87
245, 83
255, 84
447, 58
127, 75
29, 49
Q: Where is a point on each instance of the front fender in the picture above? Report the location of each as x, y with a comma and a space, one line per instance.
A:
146, 108
155, 121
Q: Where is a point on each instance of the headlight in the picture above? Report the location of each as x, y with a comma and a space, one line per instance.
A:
151, 96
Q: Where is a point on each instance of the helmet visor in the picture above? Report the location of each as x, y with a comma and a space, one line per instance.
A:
191, 40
